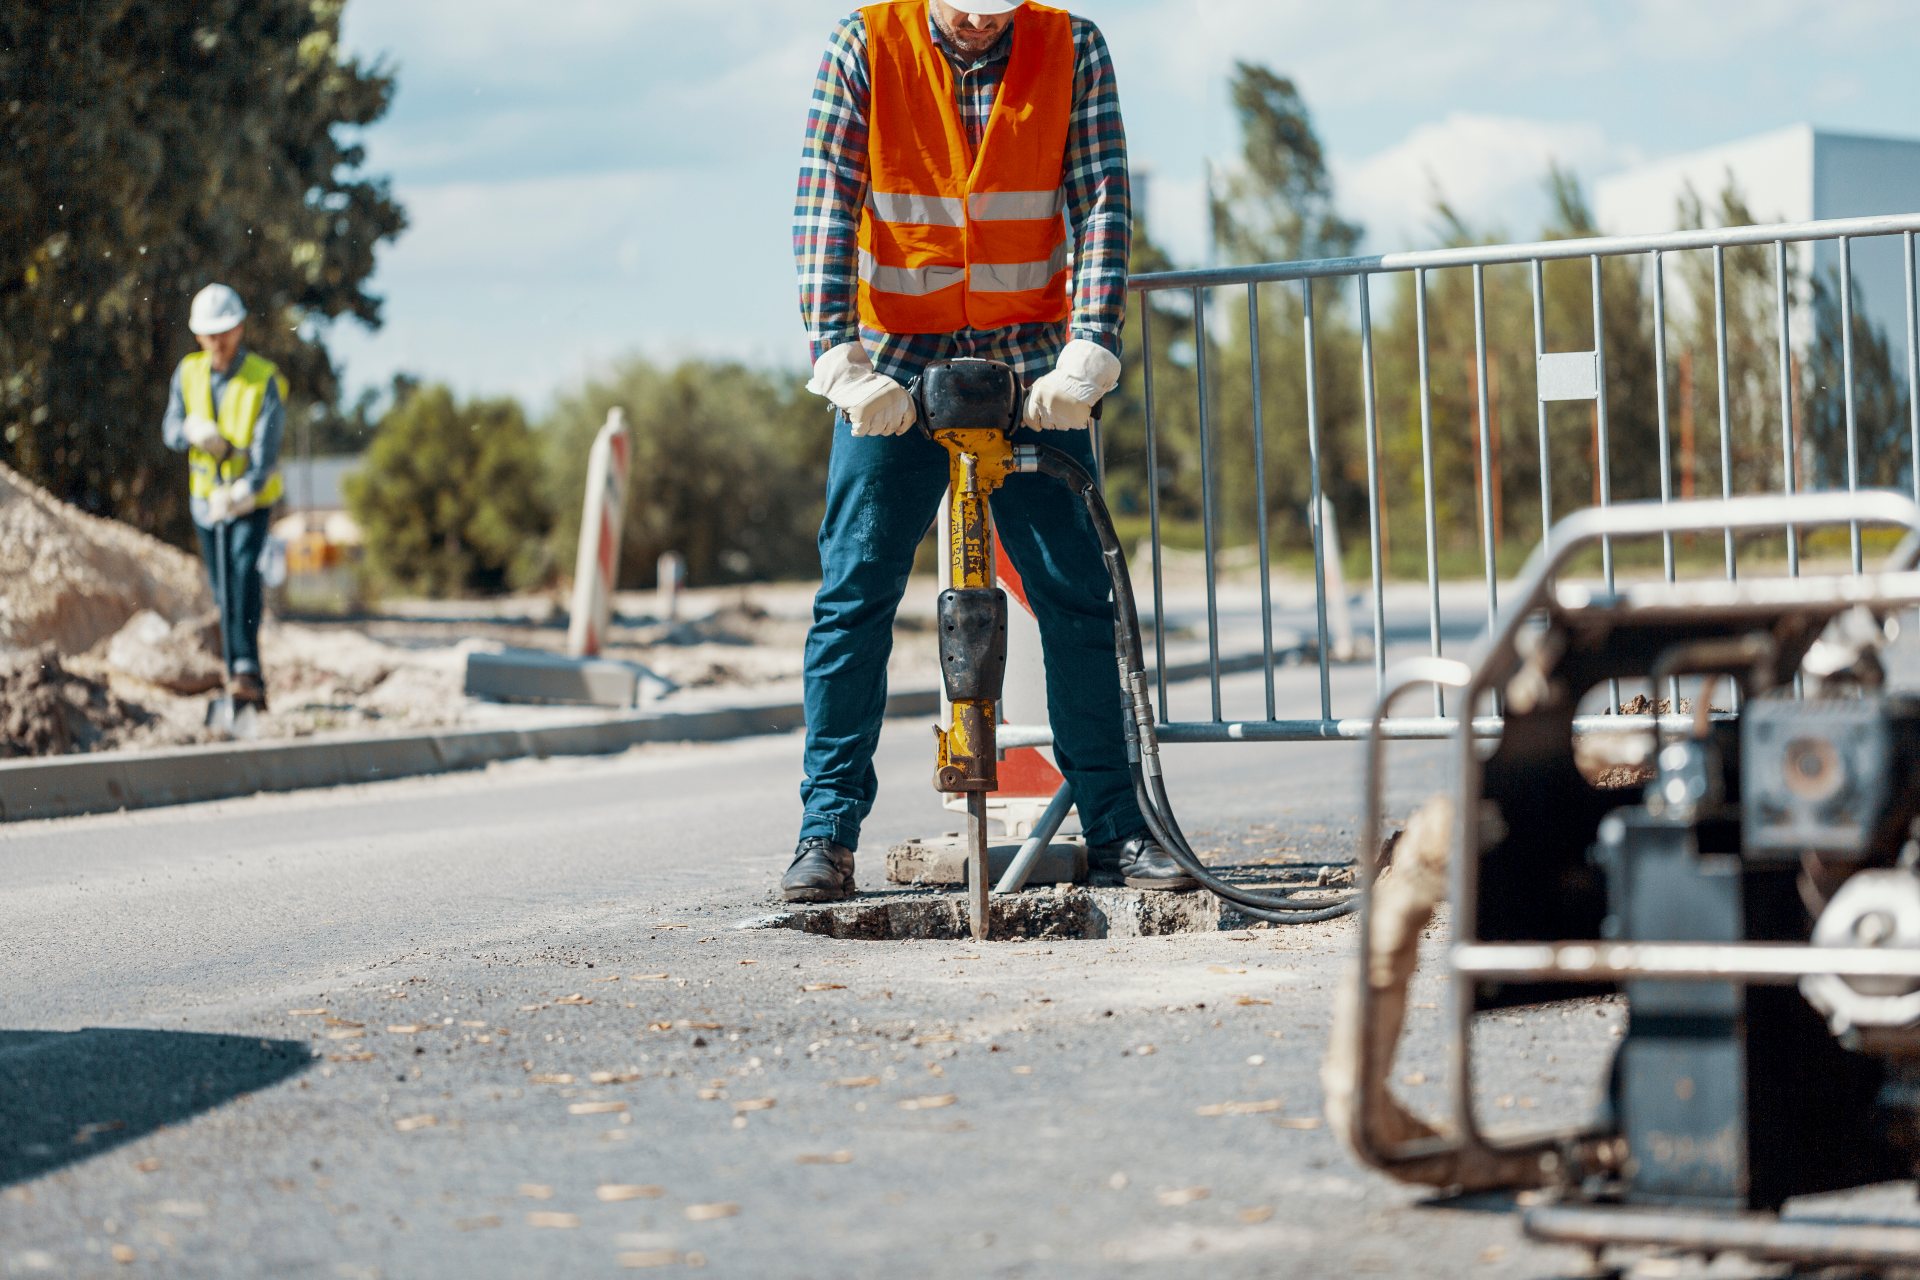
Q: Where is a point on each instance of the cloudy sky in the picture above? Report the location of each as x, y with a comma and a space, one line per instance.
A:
591, 178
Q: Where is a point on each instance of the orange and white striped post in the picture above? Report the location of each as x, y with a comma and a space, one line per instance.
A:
598, 562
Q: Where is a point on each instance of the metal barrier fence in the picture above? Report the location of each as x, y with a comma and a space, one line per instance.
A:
1560, 375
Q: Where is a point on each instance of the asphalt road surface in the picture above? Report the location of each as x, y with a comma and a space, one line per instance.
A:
503, 1024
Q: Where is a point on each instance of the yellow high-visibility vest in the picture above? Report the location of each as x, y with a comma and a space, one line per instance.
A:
238, 414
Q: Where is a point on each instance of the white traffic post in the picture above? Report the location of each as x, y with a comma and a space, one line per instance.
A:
670, 574
598, 561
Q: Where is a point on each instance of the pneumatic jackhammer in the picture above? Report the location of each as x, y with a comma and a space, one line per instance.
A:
971, 407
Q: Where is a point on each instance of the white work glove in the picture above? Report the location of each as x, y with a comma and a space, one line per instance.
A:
241, 499
219, 505
204, 435
1063, 400
875, 404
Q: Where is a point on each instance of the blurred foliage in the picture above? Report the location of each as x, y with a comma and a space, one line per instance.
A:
729, 469
452, 497
153, 146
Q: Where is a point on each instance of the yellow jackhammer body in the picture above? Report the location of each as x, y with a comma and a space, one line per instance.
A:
969, 407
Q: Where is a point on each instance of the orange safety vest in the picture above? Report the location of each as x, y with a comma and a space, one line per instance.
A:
951, 240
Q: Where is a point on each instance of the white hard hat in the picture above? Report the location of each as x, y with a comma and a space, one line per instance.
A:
216, 309
986, 6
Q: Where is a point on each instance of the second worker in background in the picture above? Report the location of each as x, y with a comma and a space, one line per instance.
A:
963, 192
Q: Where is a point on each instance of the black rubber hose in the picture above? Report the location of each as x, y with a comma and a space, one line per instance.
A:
1148, 786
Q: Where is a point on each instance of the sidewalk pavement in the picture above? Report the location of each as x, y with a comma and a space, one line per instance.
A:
67, 786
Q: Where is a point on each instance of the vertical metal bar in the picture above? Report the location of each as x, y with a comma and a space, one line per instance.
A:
1726, 395
1153, 504
1374, 514
1486, 447
1603, 463
1913, 361
1781, 303
1260, 490
1546, 455
1426, 472
1846, 373
1666, 447
1660, 397
1206, 497
1316, 519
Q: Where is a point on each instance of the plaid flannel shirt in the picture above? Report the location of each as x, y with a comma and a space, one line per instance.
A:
833, 189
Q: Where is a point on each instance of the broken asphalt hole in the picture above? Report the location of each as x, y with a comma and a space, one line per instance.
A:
1060, 914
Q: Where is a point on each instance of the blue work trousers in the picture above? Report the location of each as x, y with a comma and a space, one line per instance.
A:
243, 603
882, 495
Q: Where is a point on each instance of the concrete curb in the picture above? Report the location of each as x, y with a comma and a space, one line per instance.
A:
69, 786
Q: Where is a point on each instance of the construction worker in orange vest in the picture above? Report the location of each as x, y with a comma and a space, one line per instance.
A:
226, 410
963, 192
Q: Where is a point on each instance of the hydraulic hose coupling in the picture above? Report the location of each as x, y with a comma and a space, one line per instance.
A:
970, 407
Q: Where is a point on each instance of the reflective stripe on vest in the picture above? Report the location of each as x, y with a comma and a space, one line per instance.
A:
239, 412
949, 239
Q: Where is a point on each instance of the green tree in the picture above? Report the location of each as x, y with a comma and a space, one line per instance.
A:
453, 497
152, 146
728, 469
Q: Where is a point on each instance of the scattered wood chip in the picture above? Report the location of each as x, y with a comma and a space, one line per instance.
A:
556, 1221
1298, 1122
645, 1259
307, 1013
613, 1077
575, 998
664, 924
468, 1022
531, 1008
749, 962
346, 1033
343, 1022
1247, 1000
1183, 1195
1221, 968
710, 1212
124, 1254
712, 1095
1262, 1107
595, 1108
1254, 1215
486, 1223
407, 1029
659, 1026
824, 1157
535, 1190
350, 1057
551, 1077
612, 977
823, 986
698, 1026
856, 1082
930, 1102
1023, 1070
615, 1192
935, 1037
1414, 1078
150, 1165
648, 977
753, 1104
407, 1124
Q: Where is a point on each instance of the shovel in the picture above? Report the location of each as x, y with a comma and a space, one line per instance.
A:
223, 717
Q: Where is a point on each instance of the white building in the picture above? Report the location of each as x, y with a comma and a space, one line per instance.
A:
1797, 174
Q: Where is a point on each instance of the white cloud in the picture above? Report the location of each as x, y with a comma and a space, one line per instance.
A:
1490, 169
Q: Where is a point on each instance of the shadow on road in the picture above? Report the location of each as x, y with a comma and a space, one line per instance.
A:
67, 1096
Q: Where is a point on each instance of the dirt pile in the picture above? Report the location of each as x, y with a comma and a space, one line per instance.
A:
71, 580
182, 658
46, 710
